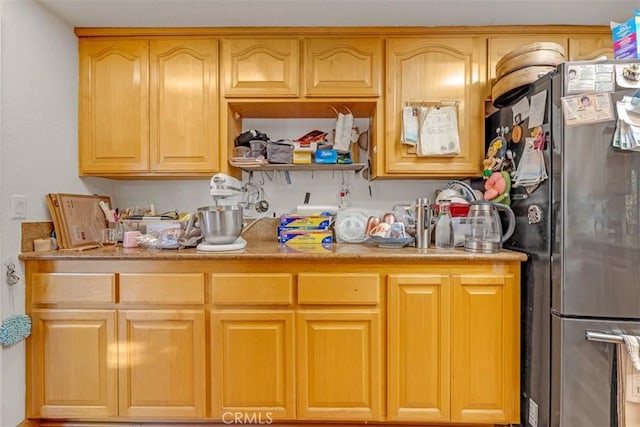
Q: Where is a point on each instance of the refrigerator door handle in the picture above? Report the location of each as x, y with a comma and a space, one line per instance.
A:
603, 337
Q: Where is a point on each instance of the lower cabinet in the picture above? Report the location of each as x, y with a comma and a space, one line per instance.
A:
338, 365
257, 343
419, 347
334, 355
252, 361
72, 364
453, 347
86, 362
162, 363
485, 342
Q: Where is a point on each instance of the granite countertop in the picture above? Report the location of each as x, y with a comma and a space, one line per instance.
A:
272, 250
262, 245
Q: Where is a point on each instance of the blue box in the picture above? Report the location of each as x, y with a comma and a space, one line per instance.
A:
300, 236
305, 221
326, 156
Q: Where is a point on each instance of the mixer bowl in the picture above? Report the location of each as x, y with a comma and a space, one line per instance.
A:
220, 225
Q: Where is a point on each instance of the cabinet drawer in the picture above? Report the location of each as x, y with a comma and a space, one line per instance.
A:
255, 289
72, 287
180, 288
318, 288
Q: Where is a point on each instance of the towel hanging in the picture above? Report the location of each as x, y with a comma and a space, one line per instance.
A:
16, 327
633, 347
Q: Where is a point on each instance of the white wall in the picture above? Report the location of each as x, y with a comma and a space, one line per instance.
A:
38, 150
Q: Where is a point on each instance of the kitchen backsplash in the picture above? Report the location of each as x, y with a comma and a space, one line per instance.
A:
324, 187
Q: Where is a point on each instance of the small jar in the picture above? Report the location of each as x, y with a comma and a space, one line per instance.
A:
130, 239
444, 226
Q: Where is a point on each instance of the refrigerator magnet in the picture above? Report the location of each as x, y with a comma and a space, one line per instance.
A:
516, 134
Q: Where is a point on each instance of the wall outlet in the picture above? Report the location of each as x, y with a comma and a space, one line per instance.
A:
18, 206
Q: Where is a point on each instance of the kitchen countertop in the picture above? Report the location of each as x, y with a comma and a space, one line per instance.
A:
271, 250
262, 245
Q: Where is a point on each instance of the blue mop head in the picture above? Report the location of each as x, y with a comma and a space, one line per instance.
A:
14, 329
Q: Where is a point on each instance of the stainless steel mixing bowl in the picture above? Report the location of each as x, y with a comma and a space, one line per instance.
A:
220, 224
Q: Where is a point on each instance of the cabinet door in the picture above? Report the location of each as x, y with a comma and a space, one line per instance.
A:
114, 106
418, 347
590, 47
435, 69
343, 67
184, 105
162, 369
261, 67
252, 364
338, 357
72, 364
486, 349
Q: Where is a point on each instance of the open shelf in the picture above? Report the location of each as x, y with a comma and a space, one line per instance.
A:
292, 109
309, 167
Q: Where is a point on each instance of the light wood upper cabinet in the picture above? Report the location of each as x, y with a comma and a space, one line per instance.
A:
167, 103
114, 106
485, 339
148, 107
590, 47
418, 347
184, 105
434, 69
261, 67
343, 67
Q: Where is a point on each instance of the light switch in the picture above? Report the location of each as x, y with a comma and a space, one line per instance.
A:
18, 206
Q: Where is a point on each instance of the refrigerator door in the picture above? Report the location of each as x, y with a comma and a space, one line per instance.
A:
596, 190
583, 374
534, 238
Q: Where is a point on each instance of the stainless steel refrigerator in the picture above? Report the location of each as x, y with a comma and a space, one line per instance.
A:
580, 230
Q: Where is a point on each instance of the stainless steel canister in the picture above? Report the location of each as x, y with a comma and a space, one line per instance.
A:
423, 222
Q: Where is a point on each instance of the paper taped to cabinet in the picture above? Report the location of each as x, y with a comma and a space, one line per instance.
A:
438, 131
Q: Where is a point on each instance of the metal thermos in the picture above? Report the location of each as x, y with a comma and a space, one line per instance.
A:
423, 222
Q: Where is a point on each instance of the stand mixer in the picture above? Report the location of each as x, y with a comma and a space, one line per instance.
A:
224, 188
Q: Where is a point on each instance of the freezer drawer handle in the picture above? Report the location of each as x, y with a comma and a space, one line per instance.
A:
602, 337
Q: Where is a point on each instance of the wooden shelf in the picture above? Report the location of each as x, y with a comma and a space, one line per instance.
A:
310, 167
296, 109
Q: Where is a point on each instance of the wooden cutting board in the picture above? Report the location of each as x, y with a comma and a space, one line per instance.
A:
77, 218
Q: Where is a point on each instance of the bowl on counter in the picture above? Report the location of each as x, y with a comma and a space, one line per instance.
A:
220, 225
392, 243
